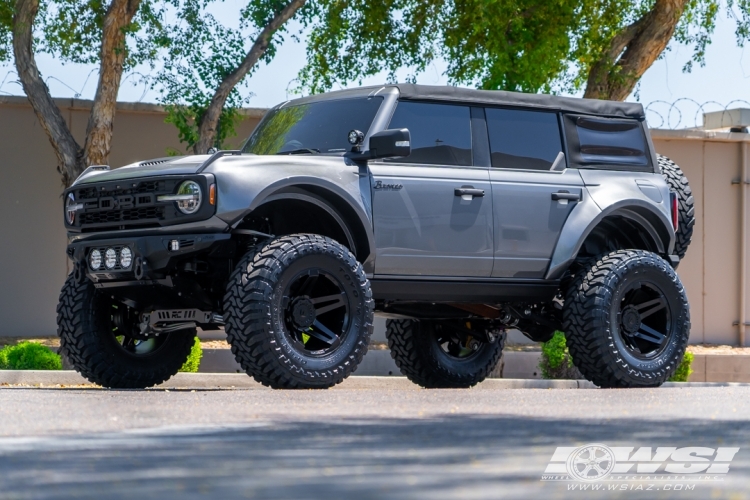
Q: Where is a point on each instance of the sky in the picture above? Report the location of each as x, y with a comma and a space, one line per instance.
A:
673, 99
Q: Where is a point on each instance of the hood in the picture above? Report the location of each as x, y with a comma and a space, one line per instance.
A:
171, 165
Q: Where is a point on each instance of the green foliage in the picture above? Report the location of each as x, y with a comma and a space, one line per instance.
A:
29, 356
556, 362
72, 30
202, 52
194, 360
520, 45
6, 23
682, 374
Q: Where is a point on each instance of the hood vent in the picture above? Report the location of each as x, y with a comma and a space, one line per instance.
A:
151, 163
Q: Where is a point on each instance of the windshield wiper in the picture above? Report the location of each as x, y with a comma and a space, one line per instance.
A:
300, 151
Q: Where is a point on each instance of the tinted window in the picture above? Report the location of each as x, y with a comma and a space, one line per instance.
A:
523, 139
611, 141
321, 126
440, 133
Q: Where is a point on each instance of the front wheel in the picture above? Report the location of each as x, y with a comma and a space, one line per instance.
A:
299, 313
101, 339
627, 320
437, 354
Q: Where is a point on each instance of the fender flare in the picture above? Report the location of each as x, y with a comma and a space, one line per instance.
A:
568, 244
298, 188
318, 202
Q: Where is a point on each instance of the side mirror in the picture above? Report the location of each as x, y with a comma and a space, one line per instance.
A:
390, 143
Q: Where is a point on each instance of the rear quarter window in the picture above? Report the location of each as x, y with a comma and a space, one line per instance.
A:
606, 143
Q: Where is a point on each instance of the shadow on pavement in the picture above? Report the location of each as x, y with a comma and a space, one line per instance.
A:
446, 457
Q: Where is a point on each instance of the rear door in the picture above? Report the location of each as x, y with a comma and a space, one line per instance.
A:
432, 211
532, 191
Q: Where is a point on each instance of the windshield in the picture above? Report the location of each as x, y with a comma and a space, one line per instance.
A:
317, 127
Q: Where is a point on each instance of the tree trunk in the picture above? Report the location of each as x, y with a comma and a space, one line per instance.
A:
207, 128
71, 158
633, 51
102, 118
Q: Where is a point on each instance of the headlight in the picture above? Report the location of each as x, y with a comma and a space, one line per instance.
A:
95, 260
71, 207
110, 258
126, 257
188, 197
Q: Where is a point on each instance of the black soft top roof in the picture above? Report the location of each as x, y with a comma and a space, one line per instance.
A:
496, 97
544, 101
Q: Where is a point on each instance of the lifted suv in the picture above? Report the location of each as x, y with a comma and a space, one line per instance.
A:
457, 214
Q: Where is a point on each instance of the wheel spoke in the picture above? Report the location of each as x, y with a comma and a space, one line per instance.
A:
309, 284
336, 302
658, 305
650, 335
321, 332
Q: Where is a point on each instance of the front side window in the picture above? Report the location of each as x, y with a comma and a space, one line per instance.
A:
611, 141
522, 139
316, 127
440, 133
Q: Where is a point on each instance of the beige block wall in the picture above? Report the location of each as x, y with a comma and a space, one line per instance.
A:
711, 268
32, 246
33, 264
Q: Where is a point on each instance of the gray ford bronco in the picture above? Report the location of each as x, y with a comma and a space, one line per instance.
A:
457, 214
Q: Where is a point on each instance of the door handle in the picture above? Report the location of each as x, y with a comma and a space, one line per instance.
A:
565, 195
468, 191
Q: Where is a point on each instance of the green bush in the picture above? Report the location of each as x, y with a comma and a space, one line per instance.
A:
556, 363
29, 356
194, 360
682, 373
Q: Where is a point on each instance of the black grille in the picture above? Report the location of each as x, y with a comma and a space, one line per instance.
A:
133, 203
127, 203
128, 215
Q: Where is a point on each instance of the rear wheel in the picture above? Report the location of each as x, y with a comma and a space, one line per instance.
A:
101, 339
299, 313
678, 183
627, 320
437, 354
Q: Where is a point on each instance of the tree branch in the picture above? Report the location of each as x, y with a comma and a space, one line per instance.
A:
633, 51
49, 115
113, 52
210, 119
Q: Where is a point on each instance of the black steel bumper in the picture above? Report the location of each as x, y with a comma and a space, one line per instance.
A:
151, 255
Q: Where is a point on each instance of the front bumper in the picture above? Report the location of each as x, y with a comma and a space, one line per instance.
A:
152, 256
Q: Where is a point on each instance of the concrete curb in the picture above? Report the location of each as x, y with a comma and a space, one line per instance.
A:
71, 379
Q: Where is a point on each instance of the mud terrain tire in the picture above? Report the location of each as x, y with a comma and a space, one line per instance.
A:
626, 320
269, 297
420, 358
88, 342
686, 204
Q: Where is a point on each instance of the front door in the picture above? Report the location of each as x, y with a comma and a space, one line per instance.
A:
532, 191
432, 211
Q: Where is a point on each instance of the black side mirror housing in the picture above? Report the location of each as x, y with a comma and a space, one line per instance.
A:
390, 143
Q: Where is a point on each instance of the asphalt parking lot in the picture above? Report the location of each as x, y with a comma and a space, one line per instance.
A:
381, 439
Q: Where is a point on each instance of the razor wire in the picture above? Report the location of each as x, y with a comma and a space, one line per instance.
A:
676, 114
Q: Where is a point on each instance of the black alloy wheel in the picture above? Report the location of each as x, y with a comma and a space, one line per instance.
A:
299, 312
316, 311
644, 320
